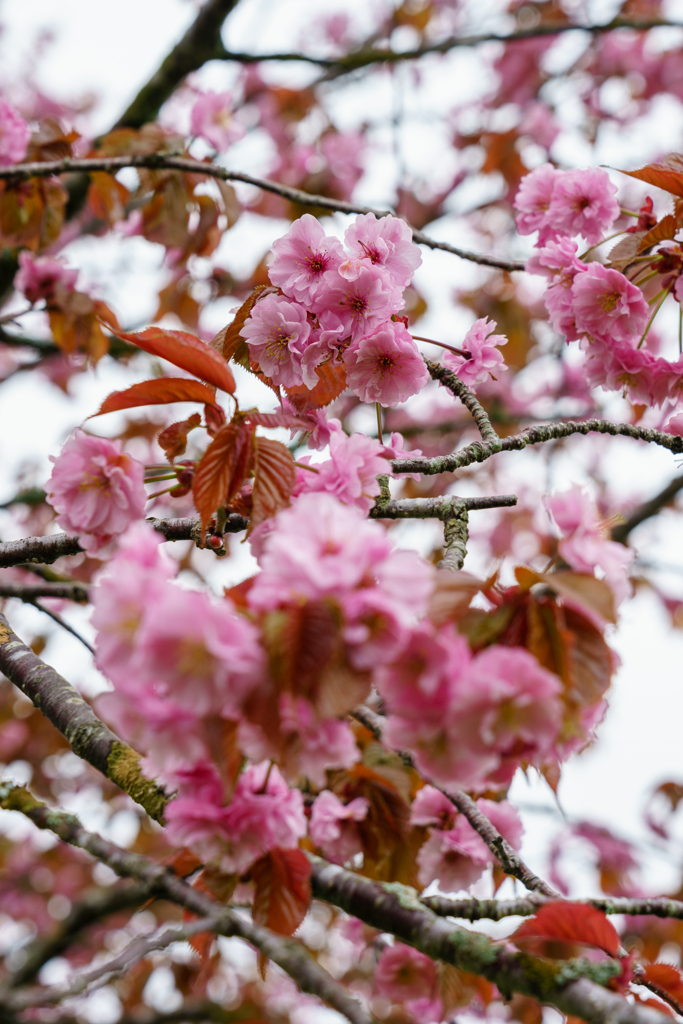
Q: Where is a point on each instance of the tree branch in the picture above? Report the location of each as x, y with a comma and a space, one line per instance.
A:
650, 508
90, 910
156, 161
289, 954
88, 737
375, 55
441, 507
573, 986
497, 910
479, 452
78, 592
510, 861
58, 545
451, 381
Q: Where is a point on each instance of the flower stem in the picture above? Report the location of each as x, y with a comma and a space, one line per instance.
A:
645, 333
378, 407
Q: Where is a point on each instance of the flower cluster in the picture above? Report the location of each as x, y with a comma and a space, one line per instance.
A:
482, 354
14, 135
340, 306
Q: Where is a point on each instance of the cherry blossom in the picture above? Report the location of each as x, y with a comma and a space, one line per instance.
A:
14, 135
482, 345
387, 243
332, 826
533, 203
97, 490
277, 333
583, 203
212, 119
302, 257
406, 976
43, 277
351, 472
385, 366
607, 305
359, 305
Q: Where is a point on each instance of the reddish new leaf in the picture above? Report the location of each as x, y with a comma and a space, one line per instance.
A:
161, 391
667, 979
283, 890
331, 383
664, 231
571, 922
185, 351
667, 174
173, 439
223, 468
274, 479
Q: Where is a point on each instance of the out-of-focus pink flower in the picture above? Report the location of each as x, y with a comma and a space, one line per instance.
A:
485, 359
351, 472
539, 124
212, 119
583, 203
277, 333
43, 277
386, 243
301, 257
208, 658
133, 582
14, 135
410, 978
675, 425
318, 744
385, 366
532, 203
556, 259
318, 548
332, 826
343, 153
455, 855
263, 813
607, 305
360, 305
97, 490
586, 545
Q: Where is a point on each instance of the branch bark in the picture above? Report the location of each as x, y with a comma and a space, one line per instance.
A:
497, 910
78, 592
289, 954
539, 434
22, 172
88, 737
650, 508
58, 545
451, 381
443, 506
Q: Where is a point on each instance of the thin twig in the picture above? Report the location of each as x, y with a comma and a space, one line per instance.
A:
648, 509
451, 381
157, 161
507, 857
60, 622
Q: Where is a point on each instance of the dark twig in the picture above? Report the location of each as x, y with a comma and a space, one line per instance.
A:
156, 161
451, 381
60, 622
539, 434
58, 545
648, 509
507, 857
370, 55
88, 737
289, 954
78, 592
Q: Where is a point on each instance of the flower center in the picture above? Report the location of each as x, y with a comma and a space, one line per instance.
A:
278, 345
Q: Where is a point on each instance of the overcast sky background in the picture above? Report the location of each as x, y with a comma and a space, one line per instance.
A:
111, 50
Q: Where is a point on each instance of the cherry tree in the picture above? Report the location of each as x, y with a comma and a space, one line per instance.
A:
303, 715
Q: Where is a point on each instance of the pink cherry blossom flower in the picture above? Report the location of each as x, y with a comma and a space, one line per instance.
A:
212, 119
556, 259
332, 826
485, 359
432, 807
208, 657
97, 491
533, 203
583, 203
351, 472
386, 366
133, 582
318, 744
301, 257
408, 977
318, 548
42, 277
277, 333
675, 425
360, 305
343, 152
607, 305
387, 243
14, 135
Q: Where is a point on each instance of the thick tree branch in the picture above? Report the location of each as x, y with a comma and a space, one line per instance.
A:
479, 452
440, 507
88, 737
90, 910
289, 954
22, 172
648, 509
451, 381
374, 55
57, 545
507, 857
78, 592
201, 43
573, 987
